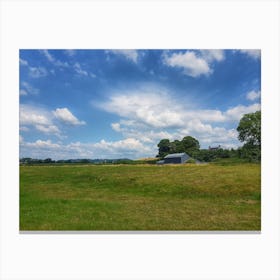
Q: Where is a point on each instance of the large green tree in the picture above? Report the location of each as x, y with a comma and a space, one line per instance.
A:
249, 132
188, 145
163, 148
249, 129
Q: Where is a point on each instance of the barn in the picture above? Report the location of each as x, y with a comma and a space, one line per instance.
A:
176, 158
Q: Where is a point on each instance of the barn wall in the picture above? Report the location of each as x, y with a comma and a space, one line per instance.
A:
185, 158
172, 160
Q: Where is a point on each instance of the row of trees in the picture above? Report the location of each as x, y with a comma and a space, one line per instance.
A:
188, 145
249, 133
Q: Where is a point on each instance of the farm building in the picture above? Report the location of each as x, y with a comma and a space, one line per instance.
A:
174, 158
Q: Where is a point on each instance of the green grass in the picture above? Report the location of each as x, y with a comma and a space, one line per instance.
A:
140, 197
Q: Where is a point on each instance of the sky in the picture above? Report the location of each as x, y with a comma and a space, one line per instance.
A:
121, 103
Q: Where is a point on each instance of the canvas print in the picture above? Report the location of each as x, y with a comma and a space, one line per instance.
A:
140, 140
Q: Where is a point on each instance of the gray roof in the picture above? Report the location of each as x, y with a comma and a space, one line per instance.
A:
175, 155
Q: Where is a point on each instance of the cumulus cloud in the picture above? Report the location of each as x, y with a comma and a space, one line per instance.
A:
152, 116
37, 118
129, 144
48, 129
129, 147
253, 95
156, 110
42, 144
159, 110
65, 116
141, 132
194, 64
236, 113
29, 115
131, 55
116, 127
213, 55
209, 134
253, 53
191, 64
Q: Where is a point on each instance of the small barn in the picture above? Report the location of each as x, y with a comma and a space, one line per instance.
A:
176, 158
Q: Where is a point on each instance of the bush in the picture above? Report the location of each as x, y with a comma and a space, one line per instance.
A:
191, 160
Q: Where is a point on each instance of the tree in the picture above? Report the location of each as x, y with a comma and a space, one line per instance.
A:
176, 147
163, 148
249, 130
190, 145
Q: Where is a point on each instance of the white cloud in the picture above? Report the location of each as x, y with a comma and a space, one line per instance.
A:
129, 144
53, 60
192, 65
79, 70
28, 89
116, 127
156, 110
209, 135
213, 55
50, 129
253, 95
29, 115
149, 117
237, 112
128, 54
37, 72
42, 144
64, 115
37, 118
23, 62
126, 148
253, 53
160, 110
205, 115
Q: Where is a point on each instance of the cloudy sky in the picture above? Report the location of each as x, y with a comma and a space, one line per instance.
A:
121, 103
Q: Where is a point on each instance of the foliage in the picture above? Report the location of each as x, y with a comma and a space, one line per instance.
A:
164, 147
249, 130
210, 155
250, 152
187, 145
191, 160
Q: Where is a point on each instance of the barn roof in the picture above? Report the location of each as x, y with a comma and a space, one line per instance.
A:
175, 155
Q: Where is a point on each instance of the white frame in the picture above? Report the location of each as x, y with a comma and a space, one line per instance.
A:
139, 24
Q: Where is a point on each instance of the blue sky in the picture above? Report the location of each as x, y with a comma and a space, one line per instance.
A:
121, 103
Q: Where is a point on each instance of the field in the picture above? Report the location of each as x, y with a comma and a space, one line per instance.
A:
140, 197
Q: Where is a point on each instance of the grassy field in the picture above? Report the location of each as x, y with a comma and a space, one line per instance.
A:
140, 197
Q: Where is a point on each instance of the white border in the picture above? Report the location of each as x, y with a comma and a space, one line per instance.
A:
135, 24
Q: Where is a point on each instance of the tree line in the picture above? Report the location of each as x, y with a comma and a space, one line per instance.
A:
249, 133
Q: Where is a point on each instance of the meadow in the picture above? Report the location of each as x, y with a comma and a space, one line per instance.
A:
141, 197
